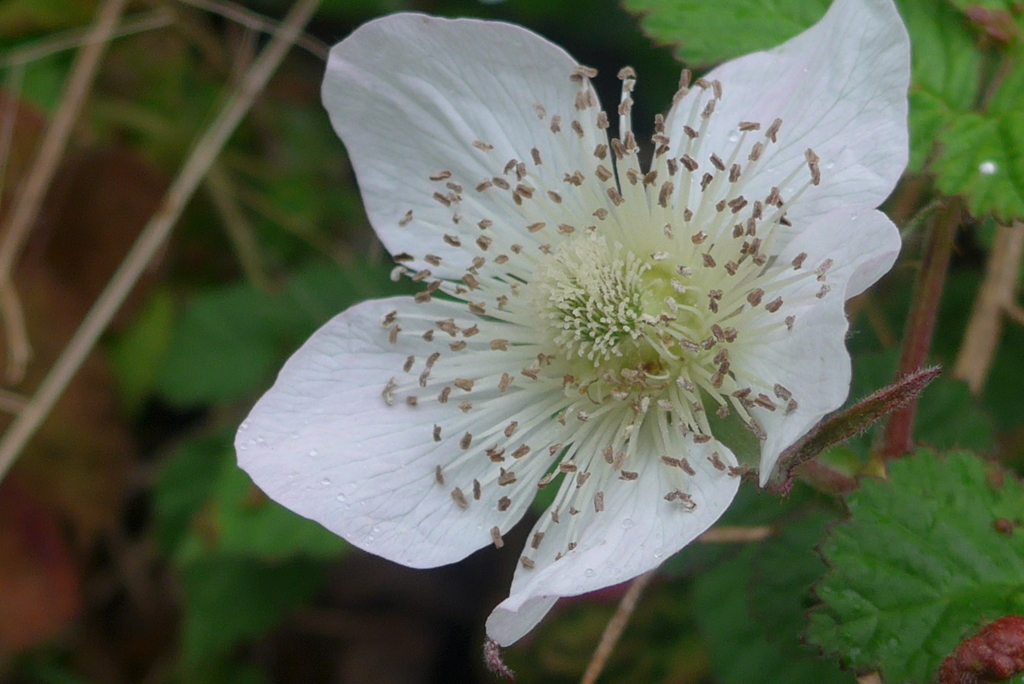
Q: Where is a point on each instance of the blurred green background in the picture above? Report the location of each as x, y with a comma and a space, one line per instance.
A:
131, 547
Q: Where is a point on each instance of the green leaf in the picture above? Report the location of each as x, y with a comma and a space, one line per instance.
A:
232, 339
945, 70
137, 354
206, 507
982, 158
227, 601
920, 565
751, 609
707, 33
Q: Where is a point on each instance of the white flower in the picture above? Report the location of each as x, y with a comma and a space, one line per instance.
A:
584, 313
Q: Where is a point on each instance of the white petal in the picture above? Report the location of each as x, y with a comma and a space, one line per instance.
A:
409, 95
811, 361
323, 441
637, 530
840, 88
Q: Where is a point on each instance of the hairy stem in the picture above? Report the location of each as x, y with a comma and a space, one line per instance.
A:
898, 438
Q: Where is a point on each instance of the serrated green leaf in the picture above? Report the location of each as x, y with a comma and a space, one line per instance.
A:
707, 33
982, 157
227, 601
751, 610
920, 565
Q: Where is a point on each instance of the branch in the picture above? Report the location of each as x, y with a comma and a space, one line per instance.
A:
153, 235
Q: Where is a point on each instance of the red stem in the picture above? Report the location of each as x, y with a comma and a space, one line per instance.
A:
917, 339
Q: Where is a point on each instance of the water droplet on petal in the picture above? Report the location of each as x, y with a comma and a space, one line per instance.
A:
627, 523
340, 497
312, 453
326, 481
987, 167
590, 572
295, 435
242, 447
734, 136
244, 425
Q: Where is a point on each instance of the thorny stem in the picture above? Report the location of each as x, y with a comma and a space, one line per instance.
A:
996, 298
898, 438
615, 627
37, 182
200, 160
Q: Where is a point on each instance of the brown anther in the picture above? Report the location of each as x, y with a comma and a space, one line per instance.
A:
708, 260
577, 128
428, 336
690, 132
716, 461
457, 346
407, 366
708, 110
758, 431
734, 173
737, 204
701, 438
602, 173
790, 320
510, 430
538, 537
730, 267
406, 219
633, 176
582, 477
618, 148
454, 187
764, 401
774, 305
699, 238
496, 537
689, 162
615, 197
601, 213
565, 229
463, 384
460, 498
556, 123
602, 121
505, 381
440, 175
717, 162
506, 478
567, 467
705, 181
504, 503
599, 502
823, 269
438, 475
480, 145
575, 179
755, 296
470, 280
626, 106
521, 451
667, 188
650, 177
628, 475
756, 151
442, 397
393, 333
527, 562
530, 373
749, 126
773, 130
478, 308
798, 260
